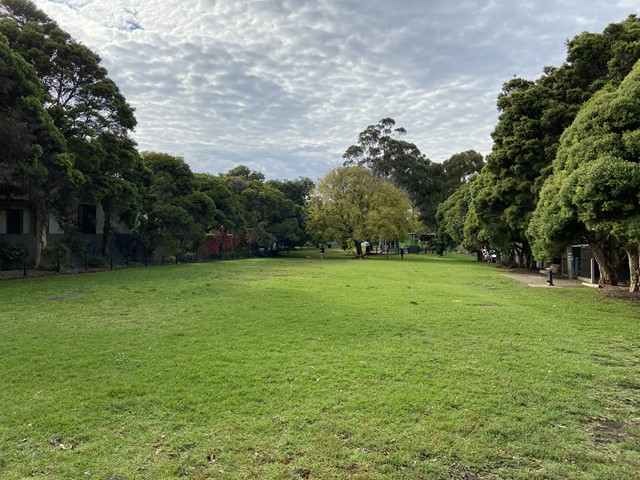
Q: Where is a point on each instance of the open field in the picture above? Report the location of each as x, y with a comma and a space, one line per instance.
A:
296, 367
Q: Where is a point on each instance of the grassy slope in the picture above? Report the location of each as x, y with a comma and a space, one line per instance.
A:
297, 367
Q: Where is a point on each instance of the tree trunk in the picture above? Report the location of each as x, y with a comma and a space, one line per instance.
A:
633, 253
40, 222
608, 262
527, 256
358, 247
106, 229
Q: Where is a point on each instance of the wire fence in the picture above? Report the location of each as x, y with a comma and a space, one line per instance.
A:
94, 264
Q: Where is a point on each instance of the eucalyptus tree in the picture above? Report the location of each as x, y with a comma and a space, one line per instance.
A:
381, 148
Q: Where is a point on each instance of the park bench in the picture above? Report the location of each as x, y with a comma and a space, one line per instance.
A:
553, 268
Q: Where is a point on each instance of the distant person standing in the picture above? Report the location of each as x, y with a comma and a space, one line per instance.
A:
322, 252
401, 253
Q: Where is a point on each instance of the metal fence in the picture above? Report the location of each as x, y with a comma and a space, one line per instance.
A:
94, 264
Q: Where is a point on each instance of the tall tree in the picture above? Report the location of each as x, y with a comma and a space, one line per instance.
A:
352, 204
31, 147
293, 230
272, 218
85, 104
180, 215
533, 117
381, 148
596, 179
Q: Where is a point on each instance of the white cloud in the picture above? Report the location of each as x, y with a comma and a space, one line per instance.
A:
285, 86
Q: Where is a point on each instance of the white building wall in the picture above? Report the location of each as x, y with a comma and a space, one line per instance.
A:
54, 226
27, 227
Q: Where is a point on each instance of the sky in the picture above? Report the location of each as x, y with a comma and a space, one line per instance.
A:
285, 86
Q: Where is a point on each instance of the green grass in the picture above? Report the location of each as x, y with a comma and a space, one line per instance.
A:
298, 367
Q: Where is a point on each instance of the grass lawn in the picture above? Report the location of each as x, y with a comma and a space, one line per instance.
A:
296, 367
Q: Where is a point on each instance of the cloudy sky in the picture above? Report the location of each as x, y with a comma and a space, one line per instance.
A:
285, 86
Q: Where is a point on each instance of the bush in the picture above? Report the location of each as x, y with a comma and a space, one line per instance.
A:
55, 255
190, 257
12, 254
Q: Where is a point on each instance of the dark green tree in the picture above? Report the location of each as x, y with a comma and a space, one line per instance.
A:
86, 106
31, 147
533, 117
595, 184
179, 215
293, 230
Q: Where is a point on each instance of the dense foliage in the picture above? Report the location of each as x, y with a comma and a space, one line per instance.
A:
498, 211
65, 138
352, 205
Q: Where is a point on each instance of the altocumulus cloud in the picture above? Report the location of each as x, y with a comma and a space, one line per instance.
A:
285, 86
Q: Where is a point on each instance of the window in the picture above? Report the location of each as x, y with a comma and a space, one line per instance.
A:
14, 221
87, 218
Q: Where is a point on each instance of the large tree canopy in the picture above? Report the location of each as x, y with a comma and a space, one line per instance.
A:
381, 148
352, 204
533, 117
90, 112
31, 147
595, 186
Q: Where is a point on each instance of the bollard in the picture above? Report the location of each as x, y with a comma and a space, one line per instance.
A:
550, 277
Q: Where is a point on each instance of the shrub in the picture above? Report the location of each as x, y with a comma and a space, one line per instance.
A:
54, 255
12, 254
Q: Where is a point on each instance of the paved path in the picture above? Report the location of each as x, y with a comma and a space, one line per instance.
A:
535, 279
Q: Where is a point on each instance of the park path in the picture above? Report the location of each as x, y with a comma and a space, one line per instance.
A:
535, 279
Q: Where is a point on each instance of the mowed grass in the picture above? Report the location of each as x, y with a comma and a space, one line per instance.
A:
296, 367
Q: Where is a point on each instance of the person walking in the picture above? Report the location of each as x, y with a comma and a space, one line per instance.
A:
401, 253
322, 252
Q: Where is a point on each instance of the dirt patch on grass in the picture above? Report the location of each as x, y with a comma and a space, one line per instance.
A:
606, 431
620, 292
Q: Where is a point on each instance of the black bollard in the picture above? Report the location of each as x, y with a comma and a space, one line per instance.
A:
550, 277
